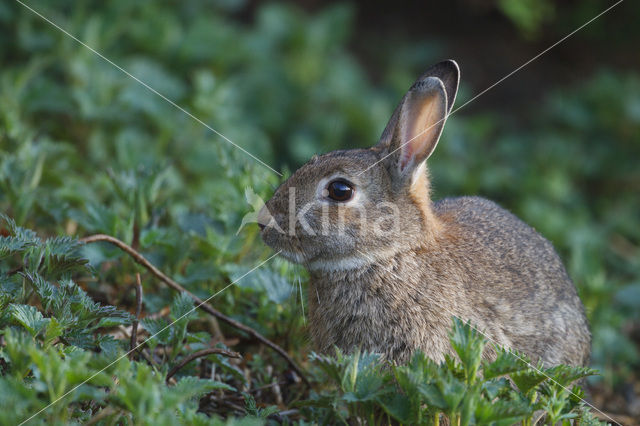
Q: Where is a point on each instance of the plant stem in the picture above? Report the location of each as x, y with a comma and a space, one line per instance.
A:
138, 258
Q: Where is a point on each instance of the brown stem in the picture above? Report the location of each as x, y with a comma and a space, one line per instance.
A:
105, 412
270, 385
135, 241
134, 325
186, 360
141, 351
138, 258
15, 270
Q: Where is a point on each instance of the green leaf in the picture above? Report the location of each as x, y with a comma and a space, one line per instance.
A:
252, 408
505, 363
62, 256
158, 330
527, 380
191, 387
48, 293
565, 375
273, 285
18, 240
501, 412
53, 331
29, 317
469, 345
112, 322
183, 307
452, 390
12, 245
397, 405
433, 395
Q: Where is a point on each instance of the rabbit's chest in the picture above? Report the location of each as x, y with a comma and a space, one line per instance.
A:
379, 319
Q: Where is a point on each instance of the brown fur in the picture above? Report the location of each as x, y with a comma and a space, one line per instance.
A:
395, 293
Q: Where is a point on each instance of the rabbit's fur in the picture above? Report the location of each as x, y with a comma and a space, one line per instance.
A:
391, 283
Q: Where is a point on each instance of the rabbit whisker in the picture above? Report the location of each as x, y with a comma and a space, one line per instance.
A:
297, 247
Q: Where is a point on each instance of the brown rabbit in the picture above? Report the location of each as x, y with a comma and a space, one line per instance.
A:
389, 267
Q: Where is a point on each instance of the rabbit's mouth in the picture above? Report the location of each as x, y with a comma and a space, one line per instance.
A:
293, 256
289, 247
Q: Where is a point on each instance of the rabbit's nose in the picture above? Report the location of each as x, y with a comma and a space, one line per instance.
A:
264, 217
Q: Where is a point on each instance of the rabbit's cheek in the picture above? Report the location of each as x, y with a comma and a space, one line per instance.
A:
347, 220
305, 222
385, 222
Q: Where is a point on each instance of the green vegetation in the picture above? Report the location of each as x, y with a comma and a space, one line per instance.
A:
57, 359
506, 392
85, 149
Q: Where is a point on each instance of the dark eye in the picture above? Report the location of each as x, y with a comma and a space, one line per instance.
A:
340, 190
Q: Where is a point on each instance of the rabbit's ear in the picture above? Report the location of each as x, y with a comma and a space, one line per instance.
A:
449, 73
414, 130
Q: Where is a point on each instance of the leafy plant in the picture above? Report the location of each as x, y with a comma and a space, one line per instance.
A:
466, 388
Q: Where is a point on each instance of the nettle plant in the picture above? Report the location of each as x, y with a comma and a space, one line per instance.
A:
467, 389
56, 347
56, 354
67, 314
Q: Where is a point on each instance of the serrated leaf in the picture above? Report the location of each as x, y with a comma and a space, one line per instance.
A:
29, 317
191, 387
19, 239
112, 322
157, 328
253, 410
53, 331
500, 412
469, 345
182, 307
109, 346
397, 406
80, 337
48, 292
433, 395
452, 390
12, 245
565, 375
505, 363
528, 379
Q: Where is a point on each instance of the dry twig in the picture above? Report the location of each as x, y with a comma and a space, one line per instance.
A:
134, 325
141, 260
199, 354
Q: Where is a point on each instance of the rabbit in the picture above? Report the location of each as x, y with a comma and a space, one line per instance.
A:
389, 268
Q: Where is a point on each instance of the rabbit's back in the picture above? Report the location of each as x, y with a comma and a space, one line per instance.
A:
515, 280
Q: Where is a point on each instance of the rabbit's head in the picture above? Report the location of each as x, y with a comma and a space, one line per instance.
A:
343, 209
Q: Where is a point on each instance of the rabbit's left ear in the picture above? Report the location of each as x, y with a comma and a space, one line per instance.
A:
449, 73
415, 127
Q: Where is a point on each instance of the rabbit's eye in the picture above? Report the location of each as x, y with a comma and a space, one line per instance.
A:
340, 190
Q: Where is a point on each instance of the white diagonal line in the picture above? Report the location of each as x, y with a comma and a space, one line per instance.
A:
151, 89
499, 345
149, 338
304, 319
499, 81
